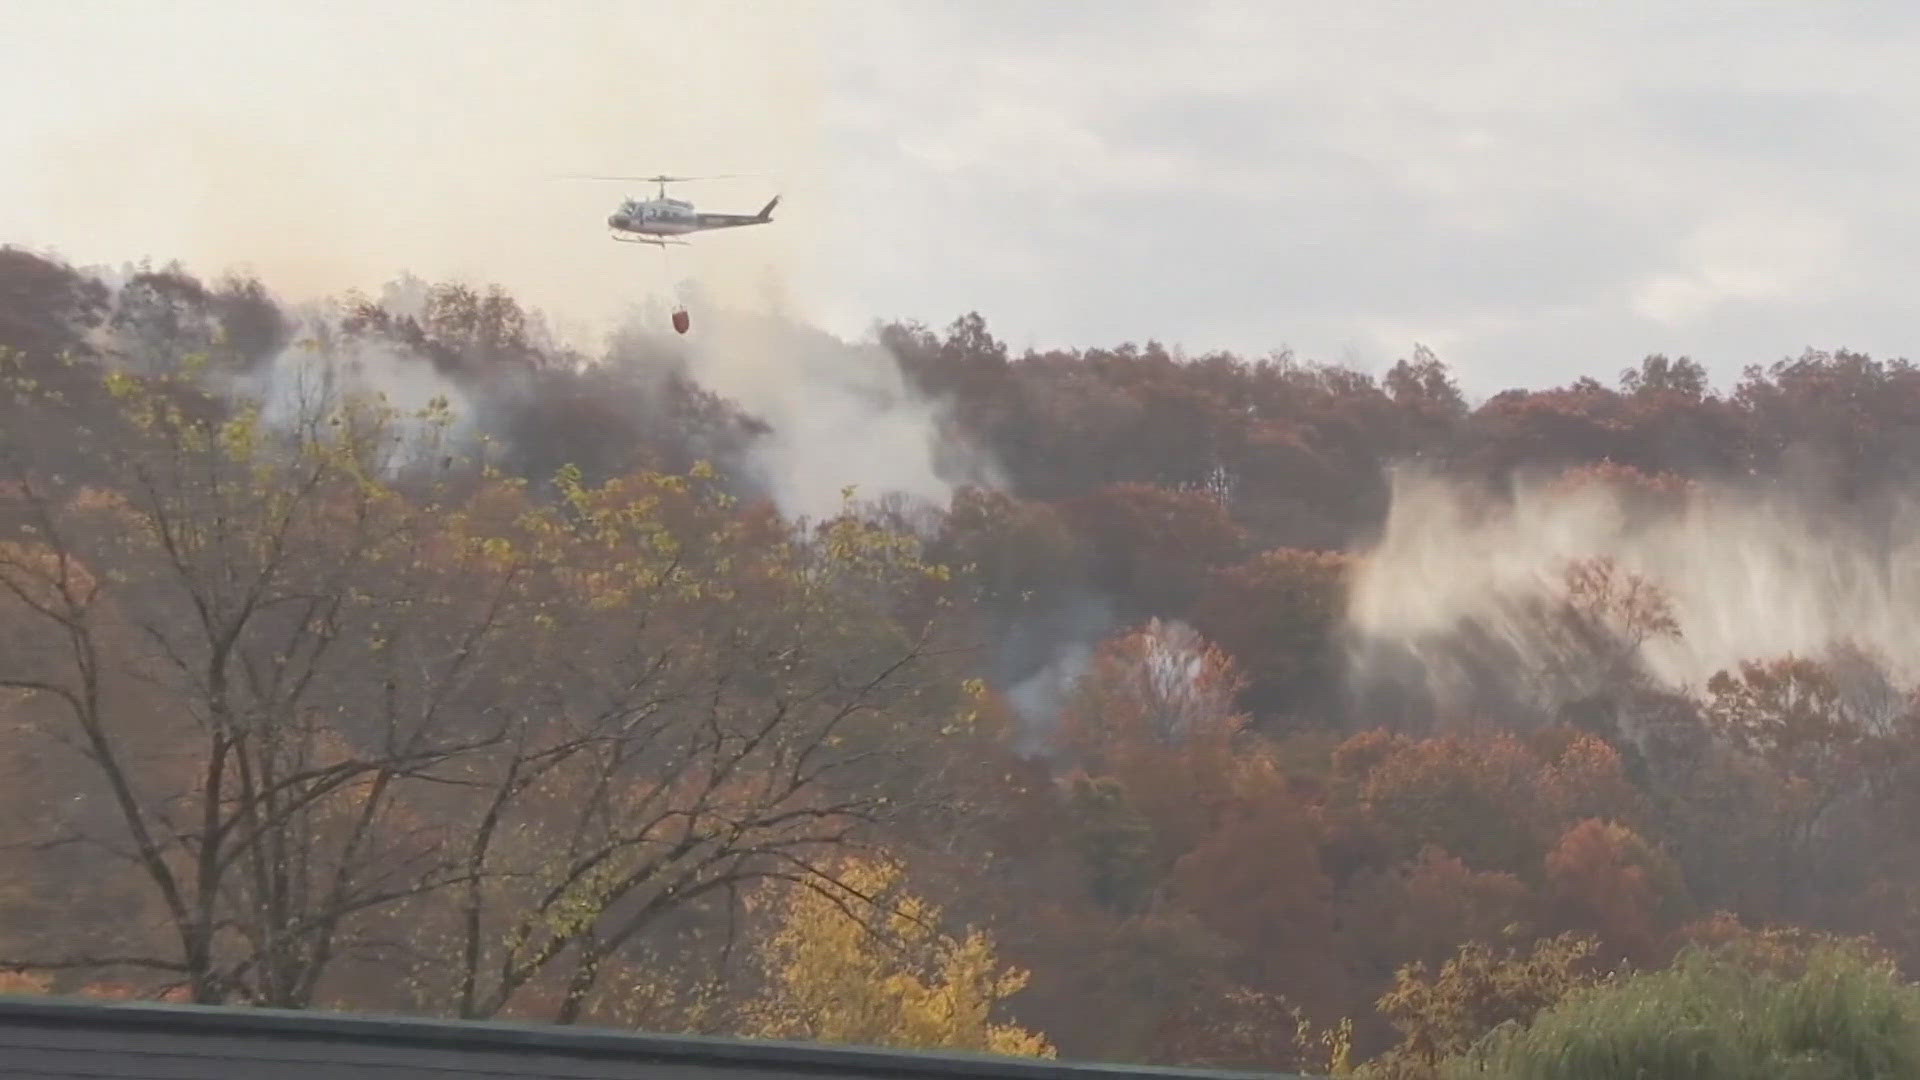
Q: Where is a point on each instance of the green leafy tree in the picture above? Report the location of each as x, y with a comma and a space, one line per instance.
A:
1714, 1014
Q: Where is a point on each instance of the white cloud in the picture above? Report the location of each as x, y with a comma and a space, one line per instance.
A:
1492, 174
1752, 253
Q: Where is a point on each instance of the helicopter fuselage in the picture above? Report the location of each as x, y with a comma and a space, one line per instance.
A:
663, 216
655, 217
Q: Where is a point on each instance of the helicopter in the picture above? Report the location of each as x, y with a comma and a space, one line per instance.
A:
654, 221
657, 220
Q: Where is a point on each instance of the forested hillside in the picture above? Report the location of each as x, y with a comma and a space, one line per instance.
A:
1245, 712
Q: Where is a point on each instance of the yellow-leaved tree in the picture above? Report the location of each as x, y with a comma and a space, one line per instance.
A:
858, 959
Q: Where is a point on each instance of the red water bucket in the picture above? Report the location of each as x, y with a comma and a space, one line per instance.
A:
681, 322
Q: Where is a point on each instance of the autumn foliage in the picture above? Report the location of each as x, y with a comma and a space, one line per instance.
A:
544, 711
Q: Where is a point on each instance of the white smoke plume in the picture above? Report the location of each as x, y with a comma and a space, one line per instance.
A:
318, 372
1167, 681
1453, 592
1038, 699
1040, 658
842, 415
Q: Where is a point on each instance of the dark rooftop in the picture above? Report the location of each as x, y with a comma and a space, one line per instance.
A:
48, 1038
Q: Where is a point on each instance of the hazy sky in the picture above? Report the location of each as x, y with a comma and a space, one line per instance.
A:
1534, 190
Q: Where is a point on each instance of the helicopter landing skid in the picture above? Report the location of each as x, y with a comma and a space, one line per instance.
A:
646, 240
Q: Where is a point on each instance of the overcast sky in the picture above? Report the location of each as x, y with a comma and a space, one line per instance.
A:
1536, 191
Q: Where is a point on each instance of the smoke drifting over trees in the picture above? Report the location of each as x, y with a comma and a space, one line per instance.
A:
1230, 711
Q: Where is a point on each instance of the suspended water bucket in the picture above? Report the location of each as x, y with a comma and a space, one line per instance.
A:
680, 321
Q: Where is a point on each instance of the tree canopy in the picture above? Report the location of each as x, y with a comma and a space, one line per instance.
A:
391, 654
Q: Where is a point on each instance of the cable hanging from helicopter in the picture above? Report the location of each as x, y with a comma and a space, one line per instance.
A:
657, 220
681, 321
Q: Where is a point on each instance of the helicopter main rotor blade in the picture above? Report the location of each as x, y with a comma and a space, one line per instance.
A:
656, 179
